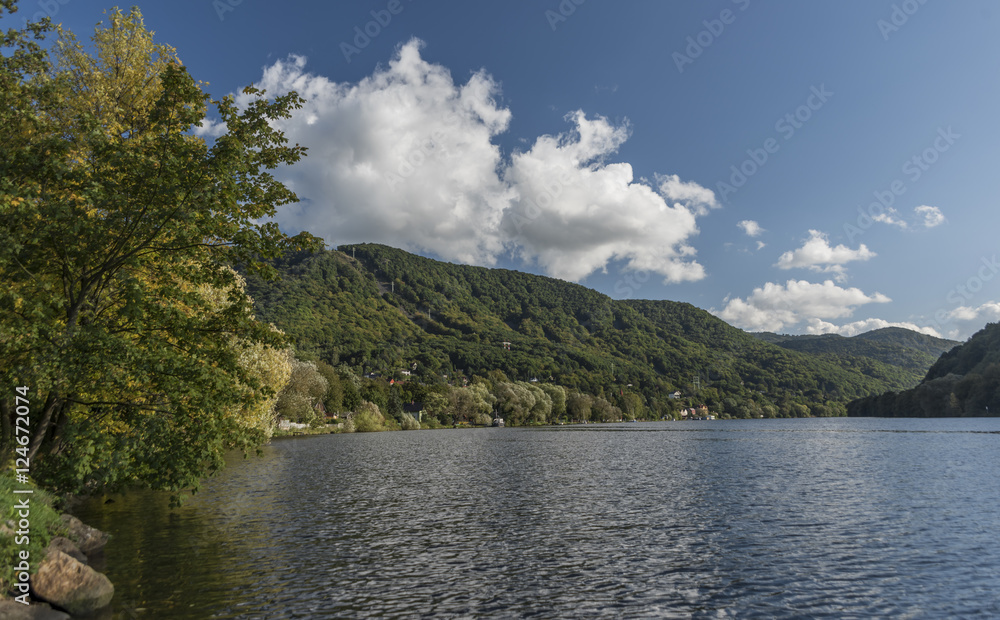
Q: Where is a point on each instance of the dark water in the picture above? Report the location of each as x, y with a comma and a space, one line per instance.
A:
725, 519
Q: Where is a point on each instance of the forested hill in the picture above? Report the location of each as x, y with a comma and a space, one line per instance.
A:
379, 309
965, 381
908, 350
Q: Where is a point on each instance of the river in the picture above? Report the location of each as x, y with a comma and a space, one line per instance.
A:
840, 517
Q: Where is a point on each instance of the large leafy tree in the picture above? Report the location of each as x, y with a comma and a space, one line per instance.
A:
118, 308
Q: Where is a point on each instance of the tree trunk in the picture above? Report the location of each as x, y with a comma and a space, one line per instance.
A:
48, 415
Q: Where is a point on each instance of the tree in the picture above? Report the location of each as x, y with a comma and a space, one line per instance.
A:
579, 406
302, 397
557, 394
117, 225
333, 400
368, 419
395, 406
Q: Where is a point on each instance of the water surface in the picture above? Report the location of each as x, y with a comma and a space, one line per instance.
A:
718, 519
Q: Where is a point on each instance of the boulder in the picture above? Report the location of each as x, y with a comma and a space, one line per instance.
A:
60, 543
71, 585
12, 610
90, 540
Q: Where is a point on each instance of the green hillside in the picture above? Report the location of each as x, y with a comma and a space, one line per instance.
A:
911, 352
965, 381
380, 309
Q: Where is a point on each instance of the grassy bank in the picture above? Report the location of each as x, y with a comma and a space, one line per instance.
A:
42, 520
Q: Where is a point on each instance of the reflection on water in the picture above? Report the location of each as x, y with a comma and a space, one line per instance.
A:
768, 518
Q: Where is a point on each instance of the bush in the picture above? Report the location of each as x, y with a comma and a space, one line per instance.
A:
409, 423
368, 419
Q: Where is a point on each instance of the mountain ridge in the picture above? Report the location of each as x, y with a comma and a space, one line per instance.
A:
963, 382
381, 309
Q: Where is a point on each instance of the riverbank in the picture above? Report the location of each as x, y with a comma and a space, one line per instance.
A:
47, 557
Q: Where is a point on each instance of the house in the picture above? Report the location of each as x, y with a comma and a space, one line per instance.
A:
675, 396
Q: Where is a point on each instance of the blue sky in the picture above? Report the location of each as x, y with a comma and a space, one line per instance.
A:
798, 167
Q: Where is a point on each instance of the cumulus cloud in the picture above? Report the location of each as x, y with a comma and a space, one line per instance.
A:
407, 157
572, 213
891, 217
817, 254
689, 193
209, 128
775, 306
750, 228
403, 157
962, 321
932, 216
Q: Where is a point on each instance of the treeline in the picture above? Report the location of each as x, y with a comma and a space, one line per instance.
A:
378, 309
964, 382
317, 389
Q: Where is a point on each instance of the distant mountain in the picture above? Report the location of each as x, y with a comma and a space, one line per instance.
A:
380, 309
965, 381
908, 350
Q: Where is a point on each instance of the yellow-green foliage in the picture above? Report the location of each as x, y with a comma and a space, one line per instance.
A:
368, 418
409, 423
303, 393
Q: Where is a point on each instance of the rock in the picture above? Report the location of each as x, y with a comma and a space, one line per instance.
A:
60, 543
71, 585
12, 610
90, 540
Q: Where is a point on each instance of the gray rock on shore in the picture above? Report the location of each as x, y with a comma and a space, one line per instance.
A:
12, 610
90, 540
70, 584
60, 543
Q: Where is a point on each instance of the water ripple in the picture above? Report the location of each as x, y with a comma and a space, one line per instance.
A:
768, 519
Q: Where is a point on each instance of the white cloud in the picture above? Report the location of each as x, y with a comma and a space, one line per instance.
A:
817, 254
891, 216
691, 194
963, 321
403, 157
406, 157
210, 128
761, 245
774, 306
818, 326
573, 214
750, 228
956, 324
932, 216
